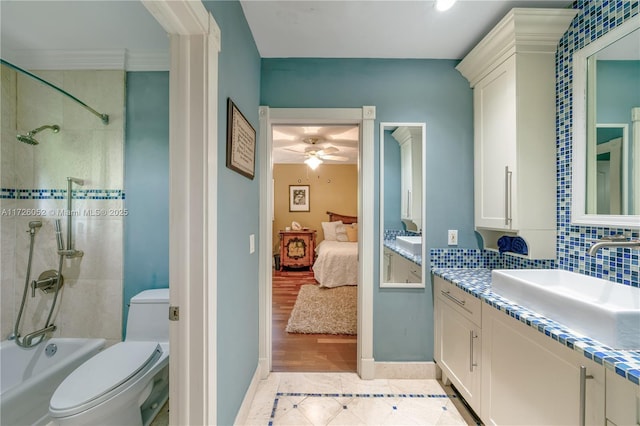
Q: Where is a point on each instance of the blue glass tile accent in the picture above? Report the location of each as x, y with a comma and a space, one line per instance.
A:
61, 194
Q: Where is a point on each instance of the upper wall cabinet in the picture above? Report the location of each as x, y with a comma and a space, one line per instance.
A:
512, 73
410, 140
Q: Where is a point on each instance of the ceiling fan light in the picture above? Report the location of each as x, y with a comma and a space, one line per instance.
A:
442, 5
313, 162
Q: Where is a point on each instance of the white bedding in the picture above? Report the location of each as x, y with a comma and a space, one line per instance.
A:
337, 263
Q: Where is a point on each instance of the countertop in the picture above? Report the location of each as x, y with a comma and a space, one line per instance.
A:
477, 282
391, 245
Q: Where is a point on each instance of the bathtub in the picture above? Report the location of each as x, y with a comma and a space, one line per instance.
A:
30, 376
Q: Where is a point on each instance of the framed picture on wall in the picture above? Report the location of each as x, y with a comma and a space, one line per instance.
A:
298, 198
241, 142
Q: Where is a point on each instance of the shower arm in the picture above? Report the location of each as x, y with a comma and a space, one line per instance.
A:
103, 117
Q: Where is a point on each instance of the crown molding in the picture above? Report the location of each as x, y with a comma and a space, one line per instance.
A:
108, 59
522, 30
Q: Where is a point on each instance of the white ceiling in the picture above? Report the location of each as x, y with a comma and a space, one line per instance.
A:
302, 28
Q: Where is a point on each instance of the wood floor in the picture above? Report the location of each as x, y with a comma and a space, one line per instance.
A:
304, 352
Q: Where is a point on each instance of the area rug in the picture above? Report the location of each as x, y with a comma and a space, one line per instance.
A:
325, 310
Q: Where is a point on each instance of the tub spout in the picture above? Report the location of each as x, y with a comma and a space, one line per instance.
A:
28, 339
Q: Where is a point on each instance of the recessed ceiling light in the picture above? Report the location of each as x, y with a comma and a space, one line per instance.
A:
442, 5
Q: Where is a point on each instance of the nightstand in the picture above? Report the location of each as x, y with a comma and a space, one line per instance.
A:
297, 248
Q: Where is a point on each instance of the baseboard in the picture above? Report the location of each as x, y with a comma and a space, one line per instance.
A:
243, 412
406, 370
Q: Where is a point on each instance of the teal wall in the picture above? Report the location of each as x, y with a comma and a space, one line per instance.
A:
146, 185
408, 90
238, 216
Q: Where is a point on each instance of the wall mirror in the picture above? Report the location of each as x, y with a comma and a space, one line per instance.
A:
402, 204
606, 133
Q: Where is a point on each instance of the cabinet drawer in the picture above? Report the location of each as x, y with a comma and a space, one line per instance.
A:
461, 301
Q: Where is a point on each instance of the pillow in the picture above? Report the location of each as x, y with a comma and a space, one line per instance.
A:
329, 230
352, 232
341, 233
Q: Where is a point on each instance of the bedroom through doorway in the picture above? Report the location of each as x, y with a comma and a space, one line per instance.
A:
314, 294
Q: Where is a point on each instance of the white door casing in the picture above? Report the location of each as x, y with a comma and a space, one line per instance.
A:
365, 118
193, 140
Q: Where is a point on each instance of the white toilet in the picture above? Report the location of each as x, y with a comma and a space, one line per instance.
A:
127, 383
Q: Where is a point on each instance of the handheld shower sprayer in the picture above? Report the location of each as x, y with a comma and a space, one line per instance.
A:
59, 235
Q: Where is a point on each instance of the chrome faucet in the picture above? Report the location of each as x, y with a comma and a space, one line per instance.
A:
613, 241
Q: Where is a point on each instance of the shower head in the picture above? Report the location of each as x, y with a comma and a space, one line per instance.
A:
29, 137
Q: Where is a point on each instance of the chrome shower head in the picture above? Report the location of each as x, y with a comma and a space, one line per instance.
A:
29, 139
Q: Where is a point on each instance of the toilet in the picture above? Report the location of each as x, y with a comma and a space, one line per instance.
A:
127, 383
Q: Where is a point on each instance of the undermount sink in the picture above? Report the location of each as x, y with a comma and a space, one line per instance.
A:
599, 309
410, 243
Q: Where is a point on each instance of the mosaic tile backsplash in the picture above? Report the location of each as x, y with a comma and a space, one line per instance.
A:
594, 19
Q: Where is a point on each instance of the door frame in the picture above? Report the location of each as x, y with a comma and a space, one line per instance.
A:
193, 147
365, 118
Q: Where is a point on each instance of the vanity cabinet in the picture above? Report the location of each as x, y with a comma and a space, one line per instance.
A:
512, 73
458, 340
410, 141
529, 378
397, 269
622, 400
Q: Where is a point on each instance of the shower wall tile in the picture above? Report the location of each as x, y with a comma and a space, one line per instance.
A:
104, 91
38, 104
85, 148
8, 126
92, 308
7, 267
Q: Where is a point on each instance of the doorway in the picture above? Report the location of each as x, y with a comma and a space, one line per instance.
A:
364, 119
314, 280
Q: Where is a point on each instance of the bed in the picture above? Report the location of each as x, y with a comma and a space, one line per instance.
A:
337, 261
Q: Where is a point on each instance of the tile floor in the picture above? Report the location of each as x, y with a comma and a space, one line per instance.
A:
344, 399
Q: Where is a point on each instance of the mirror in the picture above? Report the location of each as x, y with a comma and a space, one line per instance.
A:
606, 134
402, 207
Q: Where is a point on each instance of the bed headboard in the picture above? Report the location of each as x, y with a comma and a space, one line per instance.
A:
345, 219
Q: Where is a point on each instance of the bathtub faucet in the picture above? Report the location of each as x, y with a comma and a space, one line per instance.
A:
613, 241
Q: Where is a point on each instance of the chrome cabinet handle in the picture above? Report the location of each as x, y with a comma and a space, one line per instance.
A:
508, 175
583, 394
471, 363
447, 294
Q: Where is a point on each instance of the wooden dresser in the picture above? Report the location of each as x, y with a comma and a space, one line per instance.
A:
297, 248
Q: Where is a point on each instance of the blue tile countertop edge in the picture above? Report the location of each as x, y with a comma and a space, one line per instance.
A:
477, 282
391, 245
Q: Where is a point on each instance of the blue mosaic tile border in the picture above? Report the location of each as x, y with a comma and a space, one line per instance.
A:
61, 194
473, 258
391, 234
354, 395
477, 282
594, 19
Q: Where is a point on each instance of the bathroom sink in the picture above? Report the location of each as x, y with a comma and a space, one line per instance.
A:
599, 309
411, 244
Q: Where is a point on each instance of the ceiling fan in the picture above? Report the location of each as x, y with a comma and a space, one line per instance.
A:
315, 154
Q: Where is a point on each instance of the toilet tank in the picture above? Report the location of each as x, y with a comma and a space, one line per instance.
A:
148, 318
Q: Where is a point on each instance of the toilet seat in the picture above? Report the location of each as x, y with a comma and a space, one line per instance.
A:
92, 382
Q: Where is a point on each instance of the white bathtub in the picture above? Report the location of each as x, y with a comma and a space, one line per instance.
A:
30, 376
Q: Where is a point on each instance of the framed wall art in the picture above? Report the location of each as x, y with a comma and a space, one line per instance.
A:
298, 198
241, 142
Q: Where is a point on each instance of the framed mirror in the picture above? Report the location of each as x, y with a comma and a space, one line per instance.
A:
402, 204
606, 130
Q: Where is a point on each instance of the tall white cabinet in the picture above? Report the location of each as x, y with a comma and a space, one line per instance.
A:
410, 141
512, 73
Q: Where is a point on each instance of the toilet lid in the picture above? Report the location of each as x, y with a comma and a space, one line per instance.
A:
104, 372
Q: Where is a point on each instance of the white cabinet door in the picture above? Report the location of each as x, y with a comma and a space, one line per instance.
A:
495, 146
459, 352
406, 182
623, 401
528, 378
